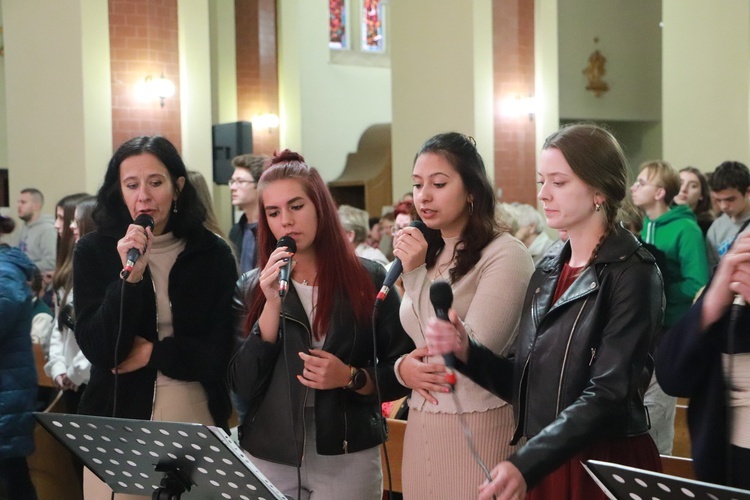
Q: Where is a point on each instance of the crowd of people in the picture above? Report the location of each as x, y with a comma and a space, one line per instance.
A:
569, 334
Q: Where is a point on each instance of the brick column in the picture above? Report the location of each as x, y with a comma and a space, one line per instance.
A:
515, 155
143, 41
257, 68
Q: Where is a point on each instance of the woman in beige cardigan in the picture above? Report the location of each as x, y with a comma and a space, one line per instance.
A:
488, 270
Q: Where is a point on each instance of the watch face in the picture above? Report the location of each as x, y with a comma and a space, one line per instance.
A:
360, 379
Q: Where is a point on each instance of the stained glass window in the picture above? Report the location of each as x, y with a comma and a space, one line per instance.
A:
337, 24
373, 33
357, 32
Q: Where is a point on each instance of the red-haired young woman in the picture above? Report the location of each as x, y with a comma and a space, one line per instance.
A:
304, 370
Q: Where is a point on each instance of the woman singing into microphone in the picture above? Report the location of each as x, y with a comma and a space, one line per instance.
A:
488, 270
305, 365
170, 321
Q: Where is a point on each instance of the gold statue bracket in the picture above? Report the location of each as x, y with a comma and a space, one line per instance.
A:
594, 72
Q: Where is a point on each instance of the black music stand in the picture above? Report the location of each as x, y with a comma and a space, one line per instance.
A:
620, 482
167, 460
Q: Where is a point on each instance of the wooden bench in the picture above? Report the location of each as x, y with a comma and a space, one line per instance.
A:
679, 463
50, 465
395, 446
681, 443
39, 362
677, 466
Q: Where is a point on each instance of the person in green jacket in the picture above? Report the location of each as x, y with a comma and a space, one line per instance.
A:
675, 233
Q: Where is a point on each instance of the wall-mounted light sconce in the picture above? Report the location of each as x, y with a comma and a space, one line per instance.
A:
159, 88
516, 106
528, 106
267, 120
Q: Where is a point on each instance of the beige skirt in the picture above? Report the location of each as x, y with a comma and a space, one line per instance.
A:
437, 459
186, 402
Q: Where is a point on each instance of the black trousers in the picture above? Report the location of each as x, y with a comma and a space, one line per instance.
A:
15, 479
740, 467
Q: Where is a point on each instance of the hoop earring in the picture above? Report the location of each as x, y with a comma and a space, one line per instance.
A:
174, 206
471, 208
597, 207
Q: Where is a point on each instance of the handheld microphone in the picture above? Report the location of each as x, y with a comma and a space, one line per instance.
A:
441, 297
286, 269
143, 220
396, 268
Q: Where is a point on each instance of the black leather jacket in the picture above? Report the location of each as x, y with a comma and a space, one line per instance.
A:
582, 364
345, 421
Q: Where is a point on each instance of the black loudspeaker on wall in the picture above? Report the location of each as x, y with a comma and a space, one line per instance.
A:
229, 140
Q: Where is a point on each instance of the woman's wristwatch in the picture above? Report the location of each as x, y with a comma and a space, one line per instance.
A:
357, 379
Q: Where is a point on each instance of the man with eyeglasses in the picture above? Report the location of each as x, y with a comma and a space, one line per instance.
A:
674, 232
243, 185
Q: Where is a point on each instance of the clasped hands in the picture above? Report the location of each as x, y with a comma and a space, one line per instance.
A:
64, 382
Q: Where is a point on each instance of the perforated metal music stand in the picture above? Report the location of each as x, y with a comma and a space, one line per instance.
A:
167, 460
620, 482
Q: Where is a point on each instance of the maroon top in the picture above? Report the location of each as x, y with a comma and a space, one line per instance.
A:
567, 277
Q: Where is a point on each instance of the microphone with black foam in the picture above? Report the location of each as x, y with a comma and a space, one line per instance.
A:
143, 220
286, 270
396, 269
441, 297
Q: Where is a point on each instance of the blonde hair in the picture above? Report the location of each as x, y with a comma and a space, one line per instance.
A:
668, 177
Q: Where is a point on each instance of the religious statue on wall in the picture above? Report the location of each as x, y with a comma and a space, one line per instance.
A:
594, 72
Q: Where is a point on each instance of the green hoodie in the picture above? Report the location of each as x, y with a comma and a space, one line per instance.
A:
676, 233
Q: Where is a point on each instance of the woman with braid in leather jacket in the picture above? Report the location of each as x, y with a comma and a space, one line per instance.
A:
582, 358
304, 369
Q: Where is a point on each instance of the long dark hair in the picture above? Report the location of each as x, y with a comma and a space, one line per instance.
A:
64, 266
344, 275
85, 208
6, 225
704, 203
482, 226
112, 215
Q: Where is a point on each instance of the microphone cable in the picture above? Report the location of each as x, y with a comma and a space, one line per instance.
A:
284, 286
470, 437
734, 313
383, 433
291, 401
117, 346
441, 297
145, 221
